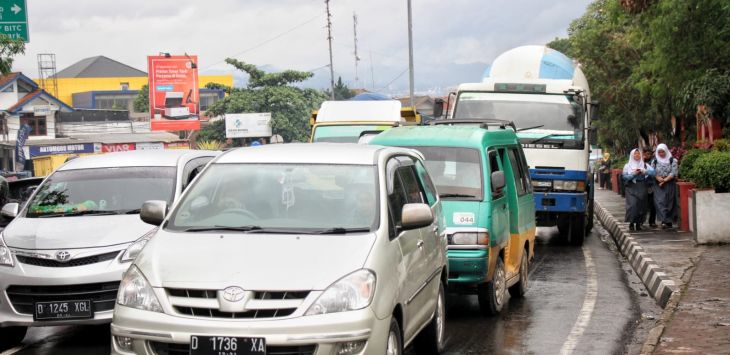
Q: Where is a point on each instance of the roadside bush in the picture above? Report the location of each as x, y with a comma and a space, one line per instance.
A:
688, 161
712, 170
721, 145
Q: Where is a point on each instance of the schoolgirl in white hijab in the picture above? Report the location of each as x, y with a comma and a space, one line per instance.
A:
635, 174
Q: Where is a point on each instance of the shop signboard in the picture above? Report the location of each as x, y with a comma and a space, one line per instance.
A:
77, 148
151, 146
118, 147
248, 125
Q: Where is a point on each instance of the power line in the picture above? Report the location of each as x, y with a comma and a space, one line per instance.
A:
394, 79
267, 41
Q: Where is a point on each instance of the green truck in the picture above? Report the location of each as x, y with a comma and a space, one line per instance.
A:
480, 172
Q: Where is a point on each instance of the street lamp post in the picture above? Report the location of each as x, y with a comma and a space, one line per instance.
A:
410, 52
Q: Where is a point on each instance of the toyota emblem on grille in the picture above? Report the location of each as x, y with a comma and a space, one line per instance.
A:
233, 294
63, 256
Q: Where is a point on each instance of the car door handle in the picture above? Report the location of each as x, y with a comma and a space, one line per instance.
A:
419, 244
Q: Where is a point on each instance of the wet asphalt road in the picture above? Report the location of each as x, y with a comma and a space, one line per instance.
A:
578, 303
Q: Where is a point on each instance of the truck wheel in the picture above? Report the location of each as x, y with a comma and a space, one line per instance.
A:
519, 289
431, 339
394, 344
577, 230
11, 336
491, 294
589, 224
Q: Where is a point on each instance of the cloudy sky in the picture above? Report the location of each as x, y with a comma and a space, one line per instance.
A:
453, 40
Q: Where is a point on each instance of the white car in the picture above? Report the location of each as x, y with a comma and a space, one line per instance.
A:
63, 255
295, 249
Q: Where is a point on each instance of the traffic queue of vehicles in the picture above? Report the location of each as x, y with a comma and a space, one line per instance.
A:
326, 248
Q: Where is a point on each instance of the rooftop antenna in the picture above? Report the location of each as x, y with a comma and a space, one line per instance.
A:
357, 58
329, 40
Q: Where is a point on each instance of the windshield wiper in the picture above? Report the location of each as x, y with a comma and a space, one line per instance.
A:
223, 228
547, 136
134, 211
78, 213
342, 230
528, 128
457, 195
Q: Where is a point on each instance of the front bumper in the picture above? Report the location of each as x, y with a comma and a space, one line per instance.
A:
324, 332
70, 280
560, 202
468, 267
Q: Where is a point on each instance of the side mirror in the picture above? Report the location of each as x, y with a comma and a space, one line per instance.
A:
438, 108
593, 136
10, 210
450, 104
416, 215
595, 105
153, 212
498, 182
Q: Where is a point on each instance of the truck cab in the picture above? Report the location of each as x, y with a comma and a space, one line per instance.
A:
480, 173
358, 121
548, 98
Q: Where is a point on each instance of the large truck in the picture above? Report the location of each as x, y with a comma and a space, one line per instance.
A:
358, 121
546, 95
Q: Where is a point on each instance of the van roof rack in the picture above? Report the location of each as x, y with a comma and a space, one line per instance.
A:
482, 122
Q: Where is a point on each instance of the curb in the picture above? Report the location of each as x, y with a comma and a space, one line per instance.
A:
657, 283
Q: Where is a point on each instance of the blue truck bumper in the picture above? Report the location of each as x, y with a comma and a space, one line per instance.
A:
560, 201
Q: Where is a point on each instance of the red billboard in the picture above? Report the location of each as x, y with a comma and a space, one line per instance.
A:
174, 95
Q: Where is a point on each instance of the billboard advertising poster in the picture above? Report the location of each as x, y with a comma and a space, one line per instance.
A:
174, 94
248, 125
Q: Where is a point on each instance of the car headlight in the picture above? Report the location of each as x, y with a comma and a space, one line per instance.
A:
6, 257
352, 292
469, 238
136, 292
135, 248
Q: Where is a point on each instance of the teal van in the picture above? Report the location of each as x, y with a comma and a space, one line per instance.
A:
482, 177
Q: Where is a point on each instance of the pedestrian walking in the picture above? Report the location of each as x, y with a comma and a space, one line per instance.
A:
635, 174
665, 188
649, 160
604, 171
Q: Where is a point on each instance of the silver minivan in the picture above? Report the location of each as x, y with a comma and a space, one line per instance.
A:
63, 255
296, 249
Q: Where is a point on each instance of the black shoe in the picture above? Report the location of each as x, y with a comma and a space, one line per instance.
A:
652, 225
631, 226
638, 227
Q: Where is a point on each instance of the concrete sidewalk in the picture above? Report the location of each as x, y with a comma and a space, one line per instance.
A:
691, 282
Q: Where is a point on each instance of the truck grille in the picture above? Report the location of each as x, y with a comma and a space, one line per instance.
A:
71, 263
102, 295
263, 304
184, 349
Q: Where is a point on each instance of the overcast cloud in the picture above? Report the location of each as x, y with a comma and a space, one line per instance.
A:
453, 40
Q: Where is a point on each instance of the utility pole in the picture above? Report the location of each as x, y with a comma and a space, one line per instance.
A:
329, 40
410, 52
357, 59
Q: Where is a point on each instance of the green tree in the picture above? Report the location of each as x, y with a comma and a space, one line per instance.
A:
9, 48
290, 106
142, 101
342, 91
561, 45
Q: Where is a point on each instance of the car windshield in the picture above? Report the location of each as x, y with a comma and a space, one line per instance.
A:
558, 114
456, 172
286, 198
344, 133
101, 191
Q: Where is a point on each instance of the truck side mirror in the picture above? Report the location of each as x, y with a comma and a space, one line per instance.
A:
593, 136
438, 108
595, 105
450, 102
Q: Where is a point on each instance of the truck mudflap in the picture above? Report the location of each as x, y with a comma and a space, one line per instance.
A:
569, 202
